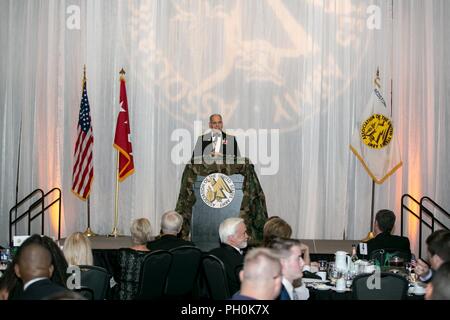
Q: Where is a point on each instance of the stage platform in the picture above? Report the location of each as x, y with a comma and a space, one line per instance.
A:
316, 246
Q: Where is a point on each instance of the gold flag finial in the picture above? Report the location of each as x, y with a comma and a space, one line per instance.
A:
376, 81
122, 74
84, 74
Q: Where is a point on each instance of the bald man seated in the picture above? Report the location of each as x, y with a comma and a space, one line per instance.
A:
34, 267
260, 277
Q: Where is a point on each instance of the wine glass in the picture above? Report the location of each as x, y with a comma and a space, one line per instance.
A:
333, 273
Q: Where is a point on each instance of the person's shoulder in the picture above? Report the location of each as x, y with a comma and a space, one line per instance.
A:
228, 136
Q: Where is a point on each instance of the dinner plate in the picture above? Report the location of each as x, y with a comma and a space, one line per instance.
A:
322, 287
312, 280
340, 291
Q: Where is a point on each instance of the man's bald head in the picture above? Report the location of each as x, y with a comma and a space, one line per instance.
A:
34, 261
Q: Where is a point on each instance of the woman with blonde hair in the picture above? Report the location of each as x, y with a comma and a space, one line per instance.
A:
77, 250
130, 259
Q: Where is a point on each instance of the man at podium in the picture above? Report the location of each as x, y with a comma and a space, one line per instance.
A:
216, 142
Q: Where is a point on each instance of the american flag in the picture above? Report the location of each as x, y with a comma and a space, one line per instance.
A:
83, 169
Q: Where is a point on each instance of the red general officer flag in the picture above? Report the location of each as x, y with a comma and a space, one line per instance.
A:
122, 140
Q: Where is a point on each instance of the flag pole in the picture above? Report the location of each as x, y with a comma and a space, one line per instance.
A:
88, 232
115, 232
370, 235
17, 173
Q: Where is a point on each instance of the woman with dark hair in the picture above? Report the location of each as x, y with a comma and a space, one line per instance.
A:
275, 227
10, 285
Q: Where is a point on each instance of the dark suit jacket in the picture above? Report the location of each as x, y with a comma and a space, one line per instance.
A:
40, 290
167, 242
238, 296
386, 240
231, 259
228, 146
284, 295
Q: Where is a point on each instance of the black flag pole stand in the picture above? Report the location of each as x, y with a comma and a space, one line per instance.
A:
88, 232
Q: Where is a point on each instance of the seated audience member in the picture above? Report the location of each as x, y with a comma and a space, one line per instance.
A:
130, 259
12, 286
290, 252
66, 295
275, 227
439, 287
77, 250
171, 224
34, 266
383, 226
438, 250
233, 238
260, 277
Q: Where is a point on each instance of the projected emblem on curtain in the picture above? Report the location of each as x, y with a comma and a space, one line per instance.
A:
199, 73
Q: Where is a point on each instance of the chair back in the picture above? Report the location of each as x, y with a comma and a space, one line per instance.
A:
183, 271
154, 271
85, 292
97, 279
380, 286
216, 277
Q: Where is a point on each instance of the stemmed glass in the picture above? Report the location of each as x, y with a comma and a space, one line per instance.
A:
333, 273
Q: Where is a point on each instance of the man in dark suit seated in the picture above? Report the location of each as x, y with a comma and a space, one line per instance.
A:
34, 266
383, 226
439, 287
233, 238
290, 252
438, 250
260, 277
216, 142
171, 223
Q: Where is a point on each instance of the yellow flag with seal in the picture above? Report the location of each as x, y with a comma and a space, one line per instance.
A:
375, 141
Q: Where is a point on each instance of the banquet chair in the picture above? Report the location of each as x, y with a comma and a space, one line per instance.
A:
97, 279
183, 272
391, 287
216, 277
85, 292
154, 271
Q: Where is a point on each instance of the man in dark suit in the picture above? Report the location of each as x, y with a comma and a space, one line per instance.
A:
171, 223
34, 266
438, 251
439, 287
233, 238
383, 226
261, 276
290, 252
216, 142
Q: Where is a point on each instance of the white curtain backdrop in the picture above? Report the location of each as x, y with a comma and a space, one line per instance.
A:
302, 67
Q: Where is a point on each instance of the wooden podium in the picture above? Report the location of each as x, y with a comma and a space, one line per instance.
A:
205, 201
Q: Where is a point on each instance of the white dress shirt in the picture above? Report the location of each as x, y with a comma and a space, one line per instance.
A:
29, 283
217, 141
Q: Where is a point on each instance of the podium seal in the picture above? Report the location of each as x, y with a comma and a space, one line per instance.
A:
217, 190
